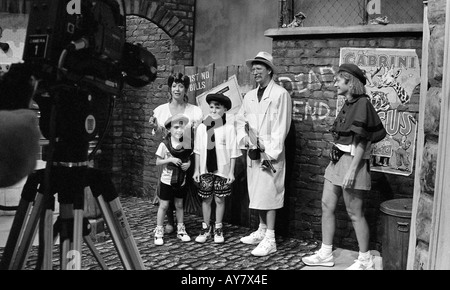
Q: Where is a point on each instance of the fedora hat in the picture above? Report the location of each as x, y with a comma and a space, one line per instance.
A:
263, 57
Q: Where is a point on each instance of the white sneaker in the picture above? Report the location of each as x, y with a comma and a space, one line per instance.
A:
319, 260
266, 247
159, 234
254, 238
361, 264
182, 234
205, 233
218, 235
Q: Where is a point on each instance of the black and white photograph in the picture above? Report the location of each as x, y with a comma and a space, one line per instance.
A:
224, 143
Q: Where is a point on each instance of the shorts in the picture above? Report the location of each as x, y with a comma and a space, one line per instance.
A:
335, 173
168, 193
213, 184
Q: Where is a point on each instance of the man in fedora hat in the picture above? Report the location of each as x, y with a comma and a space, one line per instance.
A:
266, 111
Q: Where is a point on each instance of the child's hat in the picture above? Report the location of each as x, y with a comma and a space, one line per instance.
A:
220, 98
176, 119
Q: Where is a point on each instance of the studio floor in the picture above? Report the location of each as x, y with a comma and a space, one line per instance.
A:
177, 255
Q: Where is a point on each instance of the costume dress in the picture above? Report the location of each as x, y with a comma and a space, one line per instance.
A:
357, 117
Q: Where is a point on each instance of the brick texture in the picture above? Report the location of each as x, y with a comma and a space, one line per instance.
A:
166, 30
306, 69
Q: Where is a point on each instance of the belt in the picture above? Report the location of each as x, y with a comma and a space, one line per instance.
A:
71, 164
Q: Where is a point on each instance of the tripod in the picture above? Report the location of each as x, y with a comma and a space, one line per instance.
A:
37, 204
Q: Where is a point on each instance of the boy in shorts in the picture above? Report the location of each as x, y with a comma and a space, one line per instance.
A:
216, 150
173, 154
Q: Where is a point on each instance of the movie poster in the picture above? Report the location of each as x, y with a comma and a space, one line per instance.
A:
392, 75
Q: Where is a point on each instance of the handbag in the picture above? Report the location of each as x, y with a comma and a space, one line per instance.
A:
336, 154
254, 154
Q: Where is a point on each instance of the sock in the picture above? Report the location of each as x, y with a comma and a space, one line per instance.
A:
364, 256
326, 250
218, 225
270, 234
262, 227
161, 228
205, 225
179, 225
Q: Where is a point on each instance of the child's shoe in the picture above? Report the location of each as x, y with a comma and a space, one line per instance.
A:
182, 234
218, 235
159, 234
265, 247
254, 238
362, 264
205, 233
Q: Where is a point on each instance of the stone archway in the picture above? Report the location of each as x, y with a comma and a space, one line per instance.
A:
152, 10
132, 146
157, 13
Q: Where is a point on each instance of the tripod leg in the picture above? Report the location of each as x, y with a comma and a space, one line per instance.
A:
78, 214
16, 233
60, 228
120, 247
77, 234
125, 230
47, 263
20, 219
28, 234
117, 220
68, 258
103, 189
98, 257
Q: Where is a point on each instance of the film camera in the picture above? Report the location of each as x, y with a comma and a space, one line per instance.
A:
82, 62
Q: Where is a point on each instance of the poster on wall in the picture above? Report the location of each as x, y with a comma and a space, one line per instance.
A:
230, 88
12, 38
392, 75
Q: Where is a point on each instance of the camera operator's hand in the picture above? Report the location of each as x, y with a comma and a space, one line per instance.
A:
19, 145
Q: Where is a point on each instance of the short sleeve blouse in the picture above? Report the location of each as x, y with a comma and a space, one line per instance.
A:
162, 113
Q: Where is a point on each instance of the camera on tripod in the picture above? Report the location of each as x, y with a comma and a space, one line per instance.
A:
82, 62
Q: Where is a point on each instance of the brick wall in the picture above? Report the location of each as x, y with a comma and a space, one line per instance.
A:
311, 62
166, 30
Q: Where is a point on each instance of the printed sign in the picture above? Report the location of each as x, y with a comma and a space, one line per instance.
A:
392, 75
37, 46
230, 89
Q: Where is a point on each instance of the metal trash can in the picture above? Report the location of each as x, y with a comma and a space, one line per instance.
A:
396, 219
